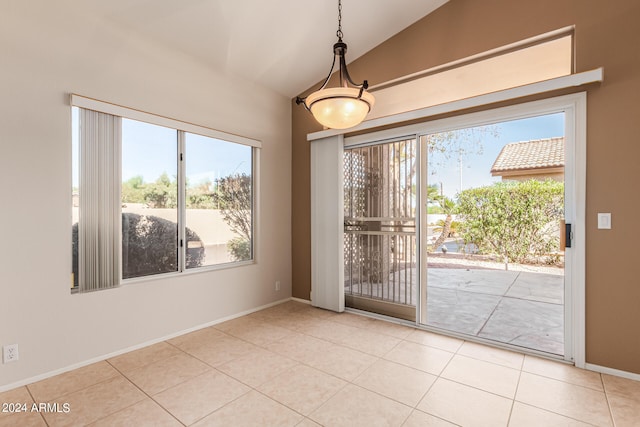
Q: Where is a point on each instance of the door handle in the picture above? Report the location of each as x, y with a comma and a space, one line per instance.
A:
568, 235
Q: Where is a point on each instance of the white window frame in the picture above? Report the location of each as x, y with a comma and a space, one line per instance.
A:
142, 116
182, 128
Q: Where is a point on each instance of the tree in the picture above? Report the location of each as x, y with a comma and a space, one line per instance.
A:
433, 194
163, 193
133, 190
515, 220
448, 207
234, 196
454, 227
456, 144
441, 147
201, 196
440, 204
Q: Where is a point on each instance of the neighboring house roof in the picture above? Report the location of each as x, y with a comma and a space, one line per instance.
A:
530, 155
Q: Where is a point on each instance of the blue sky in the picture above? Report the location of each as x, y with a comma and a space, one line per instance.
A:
151, 150
476, 168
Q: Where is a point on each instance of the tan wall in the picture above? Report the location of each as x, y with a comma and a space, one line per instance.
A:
607, 34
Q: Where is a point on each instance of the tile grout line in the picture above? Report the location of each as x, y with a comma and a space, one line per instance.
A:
439, 376
558, 414
78, 390
250, 387
515, 394
352, 381
221, 407
563, 381
143, 392
301, 363
34, 401
313, 410
347, 382
520, 369
552, 411
606, 396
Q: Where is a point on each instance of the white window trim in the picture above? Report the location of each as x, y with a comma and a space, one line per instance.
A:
129, 113
142, 116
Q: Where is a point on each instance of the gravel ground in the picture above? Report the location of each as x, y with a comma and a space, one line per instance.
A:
459, 261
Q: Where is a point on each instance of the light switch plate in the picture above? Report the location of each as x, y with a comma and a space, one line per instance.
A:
604, 221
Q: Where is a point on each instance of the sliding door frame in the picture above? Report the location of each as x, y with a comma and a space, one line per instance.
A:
575, 108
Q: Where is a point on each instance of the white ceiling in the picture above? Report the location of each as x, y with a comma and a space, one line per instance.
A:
285, 45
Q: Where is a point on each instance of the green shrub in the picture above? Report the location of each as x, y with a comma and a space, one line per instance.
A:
234, 195
515, 220
149, 246
240, 249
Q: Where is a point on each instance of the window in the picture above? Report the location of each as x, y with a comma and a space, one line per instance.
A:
154, 196
218, 201
533, 60
149, 196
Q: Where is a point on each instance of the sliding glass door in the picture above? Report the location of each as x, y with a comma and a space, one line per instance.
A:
467, 226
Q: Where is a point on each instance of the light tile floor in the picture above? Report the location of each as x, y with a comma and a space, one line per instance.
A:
294, 365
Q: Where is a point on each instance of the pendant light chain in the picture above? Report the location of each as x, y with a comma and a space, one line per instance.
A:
339, 32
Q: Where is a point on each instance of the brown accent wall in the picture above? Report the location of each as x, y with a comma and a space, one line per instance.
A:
607, 34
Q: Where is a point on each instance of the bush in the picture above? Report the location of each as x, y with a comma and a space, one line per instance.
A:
240, 249
515, 220
149, 246
234, 196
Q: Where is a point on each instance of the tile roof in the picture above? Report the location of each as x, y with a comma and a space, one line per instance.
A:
527, 155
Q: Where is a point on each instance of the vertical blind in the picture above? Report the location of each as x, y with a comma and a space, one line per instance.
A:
99, 227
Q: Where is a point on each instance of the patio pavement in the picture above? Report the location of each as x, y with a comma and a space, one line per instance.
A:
514, 307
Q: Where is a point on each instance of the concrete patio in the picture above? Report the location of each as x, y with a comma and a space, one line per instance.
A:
514, 307
521, 308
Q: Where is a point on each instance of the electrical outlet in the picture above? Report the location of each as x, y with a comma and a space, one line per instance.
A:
10, 353
277, 285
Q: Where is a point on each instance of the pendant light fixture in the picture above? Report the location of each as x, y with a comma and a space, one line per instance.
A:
339, 107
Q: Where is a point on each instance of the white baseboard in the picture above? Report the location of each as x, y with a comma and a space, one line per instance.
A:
53, 373
611, 371
589, 366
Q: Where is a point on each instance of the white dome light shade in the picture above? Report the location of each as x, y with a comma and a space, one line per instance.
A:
339, 107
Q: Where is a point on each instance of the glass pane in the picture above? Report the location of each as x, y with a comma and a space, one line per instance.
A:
493, 226
219, 201
149, 199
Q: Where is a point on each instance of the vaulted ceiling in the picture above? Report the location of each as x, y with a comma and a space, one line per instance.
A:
285, 45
